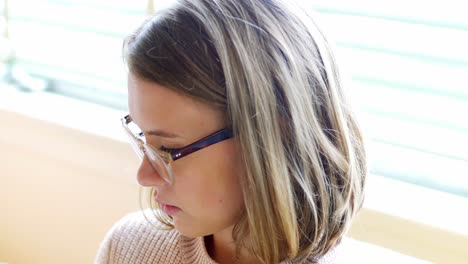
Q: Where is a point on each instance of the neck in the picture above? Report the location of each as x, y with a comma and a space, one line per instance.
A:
222, 248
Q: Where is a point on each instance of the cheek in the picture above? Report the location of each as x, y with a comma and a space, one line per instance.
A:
214, 178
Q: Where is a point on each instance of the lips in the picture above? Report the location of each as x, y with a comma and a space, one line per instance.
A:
169, 209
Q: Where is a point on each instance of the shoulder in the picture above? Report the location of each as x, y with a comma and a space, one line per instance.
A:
139, 239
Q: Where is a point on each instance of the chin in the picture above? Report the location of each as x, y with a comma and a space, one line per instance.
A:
188, 230
190, 233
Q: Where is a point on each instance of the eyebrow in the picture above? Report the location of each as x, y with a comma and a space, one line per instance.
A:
162, 133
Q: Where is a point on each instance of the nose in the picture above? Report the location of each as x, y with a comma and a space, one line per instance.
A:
147, 176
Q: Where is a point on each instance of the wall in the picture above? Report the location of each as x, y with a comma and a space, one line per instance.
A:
61, 189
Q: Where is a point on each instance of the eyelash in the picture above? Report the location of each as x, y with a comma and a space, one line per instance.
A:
168, 150
162, 148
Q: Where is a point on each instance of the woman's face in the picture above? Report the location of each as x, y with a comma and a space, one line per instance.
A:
206, 188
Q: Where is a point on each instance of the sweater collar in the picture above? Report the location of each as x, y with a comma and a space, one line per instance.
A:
194, 251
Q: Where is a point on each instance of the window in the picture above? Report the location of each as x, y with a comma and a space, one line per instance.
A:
409, 70
408, 66
73, 47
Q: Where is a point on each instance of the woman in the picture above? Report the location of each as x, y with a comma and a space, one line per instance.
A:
247, 142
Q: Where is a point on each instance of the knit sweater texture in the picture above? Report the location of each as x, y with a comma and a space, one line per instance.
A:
134, 240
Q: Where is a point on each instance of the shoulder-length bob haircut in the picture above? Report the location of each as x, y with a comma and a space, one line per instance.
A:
269, 68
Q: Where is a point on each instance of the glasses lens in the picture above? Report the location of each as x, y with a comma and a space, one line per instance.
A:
136, 144
158, 164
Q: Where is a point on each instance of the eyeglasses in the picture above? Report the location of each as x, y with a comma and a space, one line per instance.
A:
161, 160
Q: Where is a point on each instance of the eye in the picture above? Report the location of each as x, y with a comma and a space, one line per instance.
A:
168, 150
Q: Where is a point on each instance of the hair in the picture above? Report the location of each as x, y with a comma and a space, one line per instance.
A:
269, 68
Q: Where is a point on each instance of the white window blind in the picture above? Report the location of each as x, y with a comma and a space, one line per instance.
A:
74, 45
408, 64
409, 67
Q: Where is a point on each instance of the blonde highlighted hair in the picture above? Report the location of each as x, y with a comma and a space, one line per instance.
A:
271, 70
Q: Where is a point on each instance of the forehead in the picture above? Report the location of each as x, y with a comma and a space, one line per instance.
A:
156, 107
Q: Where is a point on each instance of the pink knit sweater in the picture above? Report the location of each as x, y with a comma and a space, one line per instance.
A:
134, 240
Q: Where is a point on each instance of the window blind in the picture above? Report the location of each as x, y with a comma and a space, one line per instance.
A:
408, 66
75, 45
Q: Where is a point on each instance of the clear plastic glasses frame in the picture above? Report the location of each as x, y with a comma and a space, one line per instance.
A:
161, 160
